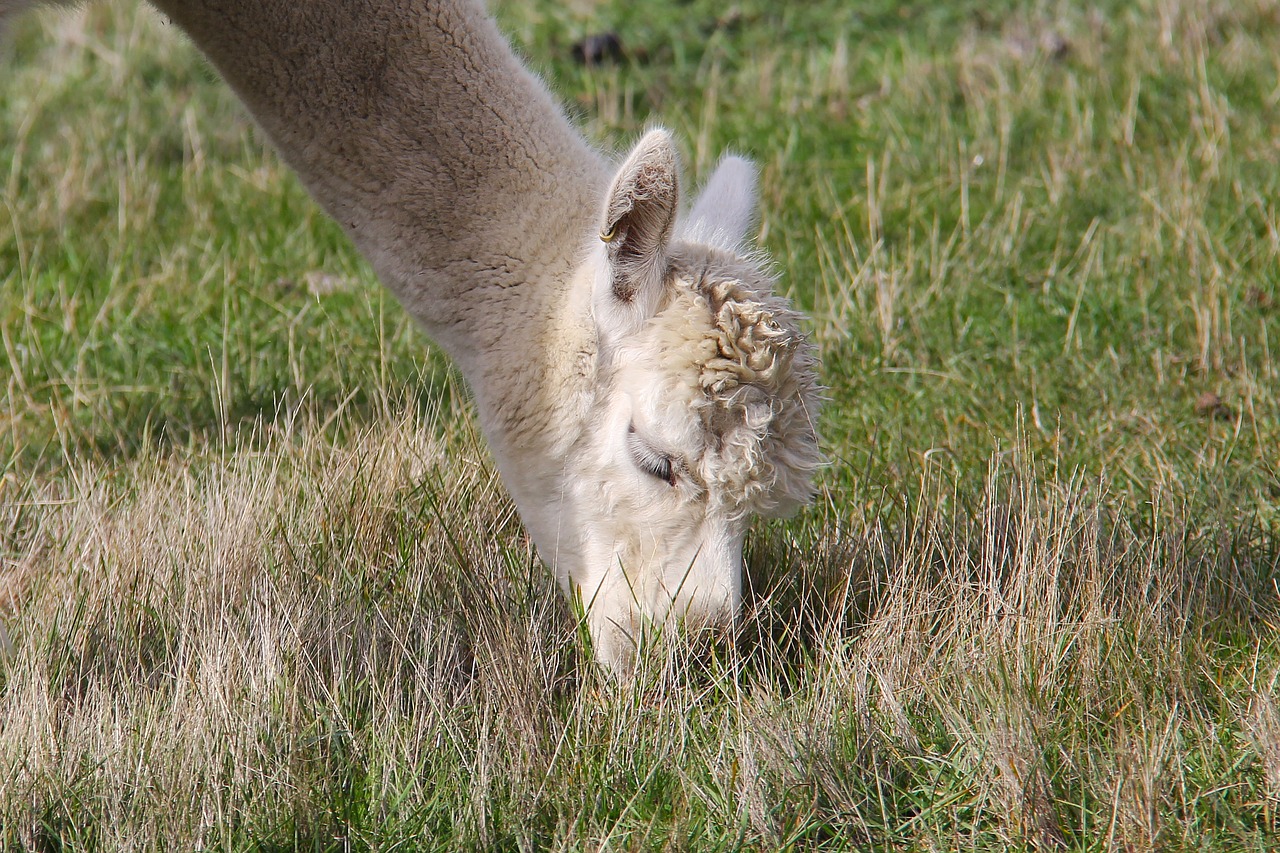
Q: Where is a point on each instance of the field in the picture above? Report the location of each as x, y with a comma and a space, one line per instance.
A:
261, 589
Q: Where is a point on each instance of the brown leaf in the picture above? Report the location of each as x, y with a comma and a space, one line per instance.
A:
1210, 405
598, 48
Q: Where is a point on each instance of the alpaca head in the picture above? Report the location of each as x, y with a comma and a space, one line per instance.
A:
702, 412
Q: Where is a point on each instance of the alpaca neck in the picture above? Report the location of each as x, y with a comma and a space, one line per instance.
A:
418, 130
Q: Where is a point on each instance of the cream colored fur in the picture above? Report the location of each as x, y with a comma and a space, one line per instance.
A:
643, 391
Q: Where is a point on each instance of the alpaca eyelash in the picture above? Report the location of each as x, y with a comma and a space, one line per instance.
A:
650, 461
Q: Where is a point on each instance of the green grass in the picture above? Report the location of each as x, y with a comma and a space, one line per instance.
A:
264, 590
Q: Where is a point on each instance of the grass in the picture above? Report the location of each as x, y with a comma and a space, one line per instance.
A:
263, 590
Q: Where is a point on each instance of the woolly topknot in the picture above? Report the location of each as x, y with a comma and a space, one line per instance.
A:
761, 395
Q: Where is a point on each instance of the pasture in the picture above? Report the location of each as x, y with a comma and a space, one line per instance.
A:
261, 589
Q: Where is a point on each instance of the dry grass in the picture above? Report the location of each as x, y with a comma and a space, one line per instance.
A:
299, 641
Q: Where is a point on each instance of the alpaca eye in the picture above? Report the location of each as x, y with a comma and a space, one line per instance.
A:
650, 461
660, 467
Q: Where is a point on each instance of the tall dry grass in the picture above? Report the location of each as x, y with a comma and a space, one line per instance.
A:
296, 641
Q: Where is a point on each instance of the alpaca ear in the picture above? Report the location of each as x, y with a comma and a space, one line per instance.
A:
726, 207
639, 216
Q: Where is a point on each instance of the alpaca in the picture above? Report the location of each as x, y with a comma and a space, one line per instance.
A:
642, 389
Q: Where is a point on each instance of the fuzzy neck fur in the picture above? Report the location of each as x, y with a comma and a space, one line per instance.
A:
448, 163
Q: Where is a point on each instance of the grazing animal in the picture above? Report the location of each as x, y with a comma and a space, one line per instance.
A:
643, 390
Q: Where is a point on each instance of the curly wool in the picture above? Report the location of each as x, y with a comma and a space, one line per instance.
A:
762, 400
759, 392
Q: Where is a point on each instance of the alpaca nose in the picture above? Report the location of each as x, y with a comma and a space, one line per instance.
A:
708, 590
